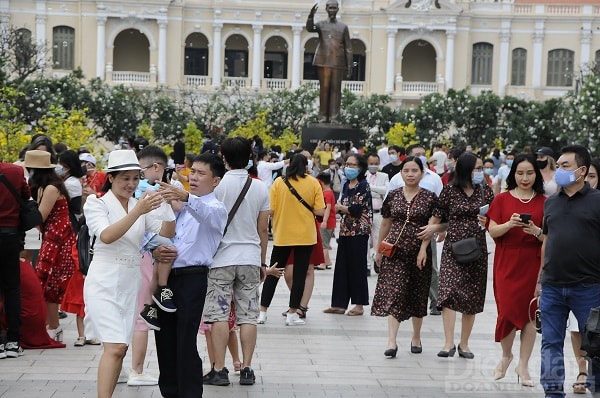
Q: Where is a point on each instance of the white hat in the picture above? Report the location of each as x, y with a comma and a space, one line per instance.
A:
87, 157
122, 159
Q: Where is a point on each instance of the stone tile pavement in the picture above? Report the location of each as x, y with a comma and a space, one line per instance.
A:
330, 356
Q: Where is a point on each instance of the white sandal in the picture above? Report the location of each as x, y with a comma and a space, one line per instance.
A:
80, 342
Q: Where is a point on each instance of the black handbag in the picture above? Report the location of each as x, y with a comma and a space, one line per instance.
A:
466, 251
29, 214
590, 337
85, 250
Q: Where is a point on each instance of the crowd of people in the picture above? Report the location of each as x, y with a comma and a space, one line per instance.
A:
387, 210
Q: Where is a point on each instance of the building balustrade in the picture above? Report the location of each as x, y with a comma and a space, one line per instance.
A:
276, 84
240, 82
197, 80
130, 77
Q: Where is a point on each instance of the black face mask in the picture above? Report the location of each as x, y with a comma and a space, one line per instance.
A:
542, 163
84, 170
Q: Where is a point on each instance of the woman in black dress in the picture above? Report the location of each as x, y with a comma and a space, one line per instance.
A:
404, 278
462, 286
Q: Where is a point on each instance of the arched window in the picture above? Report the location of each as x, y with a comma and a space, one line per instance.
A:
276, 58
560, 68
236, 56
359, 60
519, 67
483, 54
63, 47
310, 71
196, 55
23, 56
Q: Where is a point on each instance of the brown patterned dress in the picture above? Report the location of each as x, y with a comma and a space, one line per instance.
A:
402, 288
462, 286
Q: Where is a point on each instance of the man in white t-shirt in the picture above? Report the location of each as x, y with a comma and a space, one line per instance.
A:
238, 265
440, 157
265, 168
384, 156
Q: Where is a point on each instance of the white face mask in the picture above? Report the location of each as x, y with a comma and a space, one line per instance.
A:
310, 164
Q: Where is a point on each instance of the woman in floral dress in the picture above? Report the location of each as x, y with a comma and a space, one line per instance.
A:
350, 273
462, 286
54, 264
404, 278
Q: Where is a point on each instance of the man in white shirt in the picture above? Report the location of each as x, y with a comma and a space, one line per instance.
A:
439, 157
265, 168
432, 182
378, 182
384, 156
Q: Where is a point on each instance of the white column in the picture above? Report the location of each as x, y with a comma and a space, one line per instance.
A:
296, 55
390, 60
216, 56
503, 64
162, 52
256, 56
538, 43
100, 46
586, 41
450, 36
40, 29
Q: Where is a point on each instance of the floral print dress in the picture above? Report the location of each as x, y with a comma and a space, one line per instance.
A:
462, 286
402, 288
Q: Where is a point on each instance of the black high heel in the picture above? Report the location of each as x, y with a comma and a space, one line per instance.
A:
391, 352
465, 354
446, 354
416, 349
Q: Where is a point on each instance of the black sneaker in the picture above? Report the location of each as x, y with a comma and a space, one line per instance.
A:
216, 377
247, 377
13, 350
150, 316
163, 297
62, 314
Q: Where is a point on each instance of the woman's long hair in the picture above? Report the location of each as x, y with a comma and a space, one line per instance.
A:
464, 169
41, 178
297, 167
538, 184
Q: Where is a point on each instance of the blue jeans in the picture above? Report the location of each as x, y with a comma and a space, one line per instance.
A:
555, 304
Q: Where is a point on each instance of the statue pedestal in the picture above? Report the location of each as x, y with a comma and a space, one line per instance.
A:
334, 134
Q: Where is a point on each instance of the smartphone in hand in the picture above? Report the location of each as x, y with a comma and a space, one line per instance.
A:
525, 218
483, 210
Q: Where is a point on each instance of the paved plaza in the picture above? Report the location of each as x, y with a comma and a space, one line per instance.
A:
330, 356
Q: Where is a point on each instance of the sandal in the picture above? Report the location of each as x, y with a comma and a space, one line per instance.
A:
580, 387
80, 342
355, 312
333, 310
301, 311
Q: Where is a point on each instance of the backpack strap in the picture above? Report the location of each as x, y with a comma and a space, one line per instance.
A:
237, 203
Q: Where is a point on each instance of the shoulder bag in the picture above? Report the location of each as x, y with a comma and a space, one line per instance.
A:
467, 250
29, 214
85, 250
388, 249
300, 199
237, 203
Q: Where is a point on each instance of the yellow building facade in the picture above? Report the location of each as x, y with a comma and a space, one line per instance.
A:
531, 49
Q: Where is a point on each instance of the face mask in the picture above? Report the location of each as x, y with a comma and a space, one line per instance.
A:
31, 173
509, 162
393, 158
60, 170
310, 164
335, 150
477, 177
332, 167
489, 171
83, 170
542, 163
250, 164
373, 169
423, 161
564, 178
351, 173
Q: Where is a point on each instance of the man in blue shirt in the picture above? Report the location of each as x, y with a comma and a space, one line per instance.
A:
200, 224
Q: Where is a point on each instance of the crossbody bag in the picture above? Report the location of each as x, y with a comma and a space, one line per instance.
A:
301, 199
237, 203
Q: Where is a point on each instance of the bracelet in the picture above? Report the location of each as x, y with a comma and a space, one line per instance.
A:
538, 234
263, 265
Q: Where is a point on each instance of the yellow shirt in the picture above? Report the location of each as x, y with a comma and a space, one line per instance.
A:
186, 173
322, 156
294, 224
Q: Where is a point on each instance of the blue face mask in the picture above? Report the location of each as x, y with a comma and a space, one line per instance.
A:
351, 173
489, 171
60, 170
477, 177
564, 178
509, 162
250, 164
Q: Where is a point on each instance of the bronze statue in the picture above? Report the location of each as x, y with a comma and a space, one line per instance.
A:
332, 58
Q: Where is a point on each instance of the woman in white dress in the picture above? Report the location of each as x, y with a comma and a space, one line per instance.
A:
110, 291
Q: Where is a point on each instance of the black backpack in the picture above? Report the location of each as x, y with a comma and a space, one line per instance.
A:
85, 250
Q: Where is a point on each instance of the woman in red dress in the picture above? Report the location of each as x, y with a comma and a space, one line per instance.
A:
517, 260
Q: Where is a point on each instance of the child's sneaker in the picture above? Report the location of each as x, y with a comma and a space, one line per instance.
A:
163, 297
13, 349
150, 316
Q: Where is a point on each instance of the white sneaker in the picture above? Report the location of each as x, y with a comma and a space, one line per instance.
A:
294, 320
262, 318
141, 379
